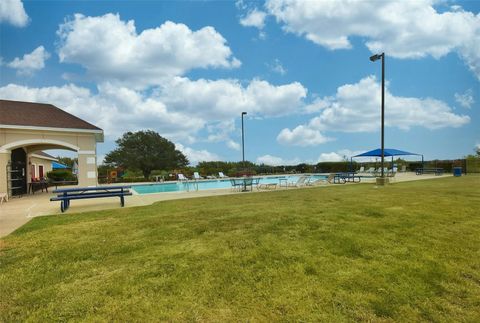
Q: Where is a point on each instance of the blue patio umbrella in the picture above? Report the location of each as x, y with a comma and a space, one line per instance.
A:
387, 152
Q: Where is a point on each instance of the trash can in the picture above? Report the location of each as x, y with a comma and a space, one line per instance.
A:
457, 171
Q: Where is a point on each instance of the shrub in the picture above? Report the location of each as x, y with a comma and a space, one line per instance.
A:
61, 175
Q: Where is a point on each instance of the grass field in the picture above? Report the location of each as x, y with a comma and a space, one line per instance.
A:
407, 252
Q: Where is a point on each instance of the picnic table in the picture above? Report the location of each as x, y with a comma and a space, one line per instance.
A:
32, 186
67, 194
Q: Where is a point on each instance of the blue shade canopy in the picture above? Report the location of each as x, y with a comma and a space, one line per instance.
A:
56, 165
386, 152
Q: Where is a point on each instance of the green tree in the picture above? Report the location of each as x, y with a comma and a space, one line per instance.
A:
145, 151
67, 161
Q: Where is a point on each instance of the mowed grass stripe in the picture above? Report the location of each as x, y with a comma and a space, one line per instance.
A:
407, 252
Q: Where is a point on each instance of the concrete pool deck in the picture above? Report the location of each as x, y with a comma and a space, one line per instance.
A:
18, 211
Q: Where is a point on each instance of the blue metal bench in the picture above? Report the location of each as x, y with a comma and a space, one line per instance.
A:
79, 193
436, 171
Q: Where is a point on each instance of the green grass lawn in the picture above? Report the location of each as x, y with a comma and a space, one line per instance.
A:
406, 252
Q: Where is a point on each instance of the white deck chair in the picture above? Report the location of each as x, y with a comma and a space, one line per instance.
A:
300, 182
197, 176
221, 175
182, 177
361, 170
3, 197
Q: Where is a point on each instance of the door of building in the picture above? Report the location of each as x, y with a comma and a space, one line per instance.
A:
19, 172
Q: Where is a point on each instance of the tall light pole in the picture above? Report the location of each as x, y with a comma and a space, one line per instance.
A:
373, 59
243, 142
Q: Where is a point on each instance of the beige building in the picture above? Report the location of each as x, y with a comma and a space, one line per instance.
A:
40, 163
28, 128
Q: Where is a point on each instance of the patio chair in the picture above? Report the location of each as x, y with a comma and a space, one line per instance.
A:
182, 177
371, 170
197, 176
336, 179
221, 175
300, 182
3, 197
361, 170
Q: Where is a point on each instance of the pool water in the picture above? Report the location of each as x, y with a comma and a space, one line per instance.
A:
212, 184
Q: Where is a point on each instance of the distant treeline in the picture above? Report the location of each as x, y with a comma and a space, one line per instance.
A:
232, 169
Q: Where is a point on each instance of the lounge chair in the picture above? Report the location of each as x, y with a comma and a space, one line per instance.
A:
361, 170
196, 176
371, 170
221, 175
182, 177
300, 182
336, 179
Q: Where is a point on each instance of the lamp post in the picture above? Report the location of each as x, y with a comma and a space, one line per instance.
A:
373, 59
243, 142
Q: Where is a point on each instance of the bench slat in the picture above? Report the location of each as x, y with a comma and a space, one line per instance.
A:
93, 193
93, 188
82, 196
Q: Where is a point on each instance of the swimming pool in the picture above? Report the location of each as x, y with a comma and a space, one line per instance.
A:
211, 184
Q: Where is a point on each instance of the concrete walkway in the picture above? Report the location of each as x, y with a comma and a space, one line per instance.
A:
18, 211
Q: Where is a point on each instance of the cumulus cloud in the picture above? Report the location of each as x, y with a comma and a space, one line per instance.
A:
30, 63
12, 12
301, 136
178, 110
403, 29
223, 99
233, 145
254, 18
277, 161
336, 156
123, 55
196, 156
356, 108
466, 99
277, 67
113, 109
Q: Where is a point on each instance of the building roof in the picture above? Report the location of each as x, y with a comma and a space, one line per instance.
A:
44, 154
29, 114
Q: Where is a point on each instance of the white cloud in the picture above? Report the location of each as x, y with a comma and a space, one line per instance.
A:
178, 110
276, 161
196, 156
113, 109
226, 99
12, 11
356, 108
466, 99
301, 136
30, 63
402, 29
277, 67
233, 145
254, 18
143, 59
330, 157
339, 155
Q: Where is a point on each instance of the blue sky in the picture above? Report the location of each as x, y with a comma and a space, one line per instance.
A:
299, 69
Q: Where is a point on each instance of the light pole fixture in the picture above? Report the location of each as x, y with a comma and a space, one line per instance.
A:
374, 58
243, 142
